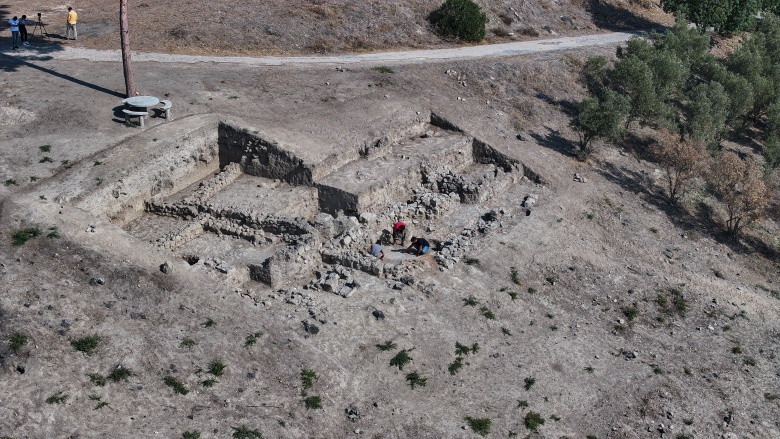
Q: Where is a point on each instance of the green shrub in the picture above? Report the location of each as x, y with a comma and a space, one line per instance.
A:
481, 426
57, 398
415, 379
462, 19
243, 432
119, 373
313, 402
21, 236
176, 385
533, 421
308, 378
86, 344
401, 359
17, 342
217, 368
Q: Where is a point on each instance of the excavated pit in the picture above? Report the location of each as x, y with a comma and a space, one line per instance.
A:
242, 204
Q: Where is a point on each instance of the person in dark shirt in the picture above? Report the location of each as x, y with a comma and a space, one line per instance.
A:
420, 246
23, 30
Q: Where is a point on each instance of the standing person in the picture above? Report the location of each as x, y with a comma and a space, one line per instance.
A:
73, 17
420, 246
14, 23
23, 30
399, 232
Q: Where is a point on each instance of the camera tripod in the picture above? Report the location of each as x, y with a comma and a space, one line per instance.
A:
41, 26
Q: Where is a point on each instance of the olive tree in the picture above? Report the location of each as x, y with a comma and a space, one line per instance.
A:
682, 161
599, 118
740, 187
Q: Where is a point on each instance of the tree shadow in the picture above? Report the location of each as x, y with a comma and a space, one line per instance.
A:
10, 63
610, 17
553, 140
699, 223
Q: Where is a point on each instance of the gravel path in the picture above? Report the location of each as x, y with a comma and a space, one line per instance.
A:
406, 57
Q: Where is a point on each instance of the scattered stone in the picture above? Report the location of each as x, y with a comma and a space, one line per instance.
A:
225, 268
310, 328
352, 413
579, 178
408, 280
378, 314
65, 324
137, 315
630, 355
522, 137
97, 281
166, 268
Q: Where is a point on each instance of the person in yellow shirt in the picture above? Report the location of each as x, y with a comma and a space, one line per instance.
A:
72, 19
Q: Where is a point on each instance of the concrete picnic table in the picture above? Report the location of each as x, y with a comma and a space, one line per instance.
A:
142, 101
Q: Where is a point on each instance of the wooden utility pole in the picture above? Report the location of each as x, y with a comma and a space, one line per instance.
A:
124, 32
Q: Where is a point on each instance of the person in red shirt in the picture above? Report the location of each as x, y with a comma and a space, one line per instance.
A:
399, 232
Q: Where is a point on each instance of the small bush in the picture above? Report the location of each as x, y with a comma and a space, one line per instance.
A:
461, 349
120, 373
771, 396
383, 69
529, 382
313, 403
11, 182
209, 323
187, 342
506, 331
488, 314
470, 301
401, 359
217, 368
533, 421
176, 385
17, 341
21, 236
471, 261
386, 346
528, 31
191, 435
97, 379
415, 379
209, 382
630, 313
462, 19
455, 366
500, 32
57, 398
522, 404
515, 276
86, 344
251, 339
46, 159
481, 426
243, 432
308, 378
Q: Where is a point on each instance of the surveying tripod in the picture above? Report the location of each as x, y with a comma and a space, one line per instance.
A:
41, 26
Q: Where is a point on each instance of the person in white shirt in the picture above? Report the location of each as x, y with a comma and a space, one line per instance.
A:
14, 23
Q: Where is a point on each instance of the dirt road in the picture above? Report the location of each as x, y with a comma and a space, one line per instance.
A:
405, 57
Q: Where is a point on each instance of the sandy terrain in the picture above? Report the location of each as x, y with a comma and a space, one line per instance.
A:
584, 325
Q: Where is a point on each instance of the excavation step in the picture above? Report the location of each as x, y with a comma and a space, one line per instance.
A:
368, 184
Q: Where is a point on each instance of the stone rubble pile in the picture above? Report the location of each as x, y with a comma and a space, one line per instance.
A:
455, 247
338, 281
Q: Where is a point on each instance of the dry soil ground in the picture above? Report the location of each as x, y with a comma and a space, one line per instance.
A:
606, 358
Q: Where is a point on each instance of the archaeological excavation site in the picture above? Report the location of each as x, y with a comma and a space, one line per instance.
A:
241, 206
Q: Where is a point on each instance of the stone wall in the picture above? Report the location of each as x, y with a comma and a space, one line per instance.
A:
261, 157
157, 163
